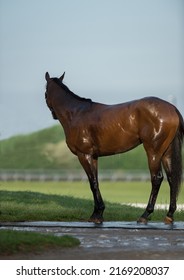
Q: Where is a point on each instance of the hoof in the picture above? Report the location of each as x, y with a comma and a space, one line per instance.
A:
95, 220
142, 220
168, 220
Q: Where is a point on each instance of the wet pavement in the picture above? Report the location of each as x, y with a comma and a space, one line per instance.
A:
111, 240
125, 225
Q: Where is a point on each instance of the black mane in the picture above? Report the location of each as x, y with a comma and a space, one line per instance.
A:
58, 82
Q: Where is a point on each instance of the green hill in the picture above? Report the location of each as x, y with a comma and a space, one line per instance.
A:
46, 149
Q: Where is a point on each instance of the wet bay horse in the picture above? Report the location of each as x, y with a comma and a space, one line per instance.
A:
93, 130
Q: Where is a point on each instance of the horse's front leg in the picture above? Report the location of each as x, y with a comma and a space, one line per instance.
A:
90, 166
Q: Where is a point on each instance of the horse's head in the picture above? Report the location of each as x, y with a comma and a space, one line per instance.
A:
47, 93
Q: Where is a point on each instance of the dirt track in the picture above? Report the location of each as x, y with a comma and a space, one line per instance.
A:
112, 243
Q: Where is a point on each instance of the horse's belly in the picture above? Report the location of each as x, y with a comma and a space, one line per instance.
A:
102, 141
117, 143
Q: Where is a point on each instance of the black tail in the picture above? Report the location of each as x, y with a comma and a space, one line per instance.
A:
176, 158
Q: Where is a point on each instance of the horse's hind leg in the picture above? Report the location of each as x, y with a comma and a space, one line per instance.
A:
166, 161
156, 180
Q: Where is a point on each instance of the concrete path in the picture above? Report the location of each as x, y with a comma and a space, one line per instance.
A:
125, 225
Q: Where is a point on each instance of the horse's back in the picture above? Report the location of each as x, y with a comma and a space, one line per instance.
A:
110, 129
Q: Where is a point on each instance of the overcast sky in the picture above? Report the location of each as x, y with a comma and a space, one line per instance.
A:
112, 51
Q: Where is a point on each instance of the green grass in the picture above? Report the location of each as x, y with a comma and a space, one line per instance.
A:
12, 242
72, 201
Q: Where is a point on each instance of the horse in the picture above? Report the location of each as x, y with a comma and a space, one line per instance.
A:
93, 130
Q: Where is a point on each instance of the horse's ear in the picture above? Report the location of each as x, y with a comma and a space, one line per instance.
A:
47, 76
62, 77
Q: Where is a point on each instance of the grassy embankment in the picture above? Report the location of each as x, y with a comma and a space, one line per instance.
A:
12, 242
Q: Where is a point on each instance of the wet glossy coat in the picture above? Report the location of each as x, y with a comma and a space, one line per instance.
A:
93, 130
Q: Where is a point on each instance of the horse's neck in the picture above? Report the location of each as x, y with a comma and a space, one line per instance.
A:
73, 103
68, 107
